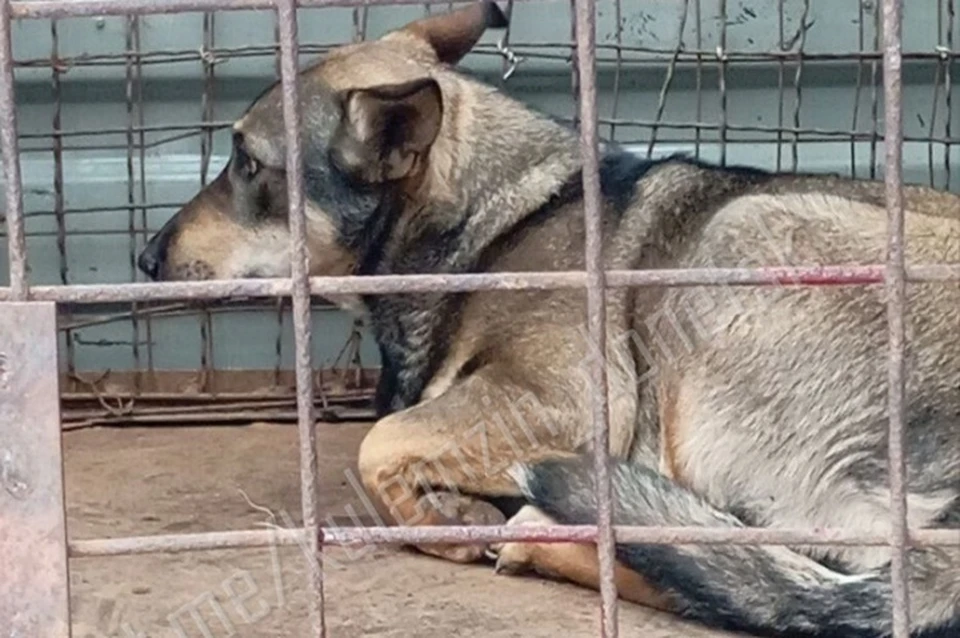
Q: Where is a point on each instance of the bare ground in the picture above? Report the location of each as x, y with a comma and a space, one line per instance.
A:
135, 481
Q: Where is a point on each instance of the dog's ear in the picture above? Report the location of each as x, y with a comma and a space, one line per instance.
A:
453, 34
386, 131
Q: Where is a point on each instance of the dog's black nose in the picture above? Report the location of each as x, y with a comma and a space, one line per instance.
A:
149, 262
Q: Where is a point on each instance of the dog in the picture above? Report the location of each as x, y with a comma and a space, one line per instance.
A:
729, 406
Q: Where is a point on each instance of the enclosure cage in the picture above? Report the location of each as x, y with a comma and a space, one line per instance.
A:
122, 111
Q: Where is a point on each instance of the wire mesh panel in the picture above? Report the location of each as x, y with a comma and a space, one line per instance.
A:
733, 84
736, 83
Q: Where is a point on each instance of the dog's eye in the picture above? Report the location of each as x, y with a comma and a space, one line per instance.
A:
243, 162
252, 167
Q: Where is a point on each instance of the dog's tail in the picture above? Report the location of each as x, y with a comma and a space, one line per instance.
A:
761, 590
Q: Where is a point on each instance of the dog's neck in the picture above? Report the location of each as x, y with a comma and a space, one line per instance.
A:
487, 190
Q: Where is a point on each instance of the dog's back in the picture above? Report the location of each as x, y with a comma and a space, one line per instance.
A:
771, 403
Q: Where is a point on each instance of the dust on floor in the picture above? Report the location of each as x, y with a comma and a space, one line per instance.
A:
154, 480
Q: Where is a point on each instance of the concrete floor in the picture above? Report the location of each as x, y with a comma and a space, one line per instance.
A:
175, 480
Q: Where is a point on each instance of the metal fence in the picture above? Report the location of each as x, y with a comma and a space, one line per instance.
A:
706, 64
46, 591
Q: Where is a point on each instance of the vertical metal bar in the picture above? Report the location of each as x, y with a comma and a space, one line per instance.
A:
281, 302
896, 295
798, 86
698, 132
360, 15
505, 63
948, 85
857, 93
289, 49
596, 306
33, 538
142, 156
131, 54
206, 151
278, 342
781, 71
58, 195
618, 72
722, 80
668, 79
938, 75
574, 66
10, 149
875, 94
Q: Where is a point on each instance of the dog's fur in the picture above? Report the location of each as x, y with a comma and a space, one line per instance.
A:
729, 406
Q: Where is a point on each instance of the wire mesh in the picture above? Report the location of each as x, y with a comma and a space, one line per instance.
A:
878, 23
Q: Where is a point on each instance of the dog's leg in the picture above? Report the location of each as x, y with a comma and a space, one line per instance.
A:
574, 562
442, 461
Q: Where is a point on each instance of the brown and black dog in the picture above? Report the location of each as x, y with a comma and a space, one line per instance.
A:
729, 406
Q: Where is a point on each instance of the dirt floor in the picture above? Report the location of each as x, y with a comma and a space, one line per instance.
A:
155, 480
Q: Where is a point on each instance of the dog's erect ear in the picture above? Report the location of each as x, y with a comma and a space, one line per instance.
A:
385, 131
453, 34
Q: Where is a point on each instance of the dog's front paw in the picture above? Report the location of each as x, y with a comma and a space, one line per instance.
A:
449, 508
517, 558
513, 559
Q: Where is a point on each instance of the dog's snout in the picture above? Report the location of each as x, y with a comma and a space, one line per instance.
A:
154, 254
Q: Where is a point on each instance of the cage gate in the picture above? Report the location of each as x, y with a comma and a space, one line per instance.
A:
32, 502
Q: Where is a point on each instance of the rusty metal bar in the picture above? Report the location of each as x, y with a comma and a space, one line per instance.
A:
338, 536
33, 538
531, 49
59, 205
801, 39
206, 152
133, 76
300, 274
722, 80
823, 134
586, 30
9, 148
896, 308
385, 284
86, 8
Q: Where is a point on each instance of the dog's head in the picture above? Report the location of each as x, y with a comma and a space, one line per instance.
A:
372, 117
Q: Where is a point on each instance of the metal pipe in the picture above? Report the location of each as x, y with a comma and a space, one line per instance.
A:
896, 304
9, 148
384, 284
300, 273
586, 27
81, 8
338, 536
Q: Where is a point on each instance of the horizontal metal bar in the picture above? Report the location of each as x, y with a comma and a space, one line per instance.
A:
172, 543
397, 284
530, 49
824, 134
81, 8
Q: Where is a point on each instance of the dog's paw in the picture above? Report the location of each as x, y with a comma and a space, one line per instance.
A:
514, 559
517, 558
457, 509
